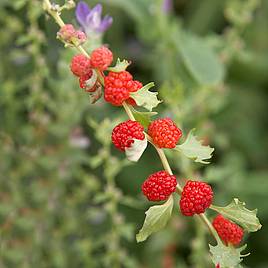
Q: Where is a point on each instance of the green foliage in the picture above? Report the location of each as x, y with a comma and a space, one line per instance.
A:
119, 66
226, 256
65, 192
200, 60
145, 98
143, 117
156, 219
193, 149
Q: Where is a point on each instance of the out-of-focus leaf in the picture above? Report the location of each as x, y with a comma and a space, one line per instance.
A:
200, 60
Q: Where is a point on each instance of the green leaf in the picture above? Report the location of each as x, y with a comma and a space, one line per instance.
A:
120, 66
145, 98
237, 212
193, 148
143, 117
200, 60
225, 256
156, 219
135, 151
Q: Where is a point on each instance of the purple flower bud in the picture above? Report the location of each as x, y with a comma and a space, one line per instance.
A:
90, 19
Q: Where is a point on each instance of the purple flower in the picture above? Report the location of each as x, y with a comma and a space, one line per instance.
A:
90, 19
167, 6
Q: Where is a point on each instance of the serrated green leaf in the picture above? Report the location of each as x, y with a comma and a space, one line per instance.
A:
119, 66
200, 60
135, 151
193, 148
156, 219
237, 212
143, 117
225, 256
145, 98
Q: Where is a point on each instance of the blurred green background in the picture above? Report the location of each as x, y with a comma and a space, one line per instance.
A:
67, 197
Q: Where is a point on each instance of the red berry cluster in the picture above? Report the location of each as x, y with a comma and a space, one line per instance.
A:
159, 186
124, 133
164, 132
118, 87
196, 197
228, 231
82, 66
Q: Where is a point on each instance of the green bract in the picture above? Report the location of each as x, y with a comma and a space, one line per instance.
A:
225, 256
120, 66
193, 148
145, 98
143, 117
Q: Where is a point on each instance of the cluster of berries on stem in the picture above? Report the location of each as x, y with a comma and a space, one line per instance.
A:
163, 133
196, 196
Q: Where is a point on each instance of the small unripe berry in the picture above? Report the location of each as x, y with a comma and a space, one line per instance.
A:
69, 35
159, 186
196, 197
124, 133
228, 231
164, 132
101, 58
80, 65
66, 33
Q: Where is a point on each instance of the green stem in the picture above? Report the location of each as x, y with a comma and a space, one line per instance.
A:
211, 229
162, 156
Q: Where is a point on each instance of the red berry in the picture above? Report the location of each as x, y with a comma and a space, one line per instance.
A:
159, 186
84, 78
136, 85
164, 132
196, 197
101, 58
117, 87
80, 65
228, 231
124, 133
